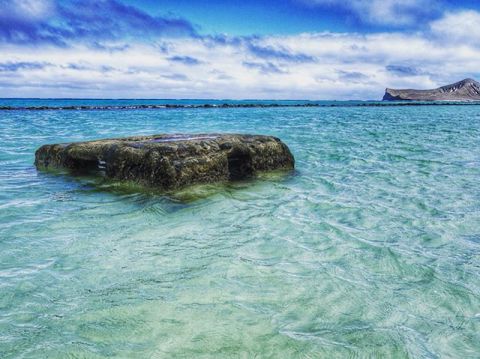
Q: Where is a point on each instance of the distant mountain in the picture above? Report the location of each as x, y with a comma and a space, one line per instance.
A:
465, 90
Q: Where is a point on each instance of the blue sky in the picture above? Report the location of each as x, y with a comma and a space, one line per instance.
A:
269, 17
284, 49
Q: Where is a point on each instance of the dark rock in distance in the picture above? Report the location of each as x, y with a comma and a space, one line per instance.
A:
170, 161
465, 90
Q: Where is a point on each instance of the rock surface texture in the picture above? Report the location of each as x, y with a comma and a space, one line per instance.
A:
465, 90
170, 161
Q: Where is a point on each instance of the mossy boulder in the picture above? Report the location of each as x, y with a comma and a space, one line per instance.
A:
170, 161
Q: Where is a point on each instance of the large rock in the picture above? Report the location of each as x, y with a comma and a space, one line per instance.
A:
170, 161
465, 90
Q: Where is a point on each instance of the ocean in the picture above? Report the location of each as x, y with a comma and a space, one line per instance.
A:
370, 248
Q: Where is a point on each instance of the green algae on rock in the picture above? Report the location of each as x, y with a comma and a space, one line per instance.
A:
170, 161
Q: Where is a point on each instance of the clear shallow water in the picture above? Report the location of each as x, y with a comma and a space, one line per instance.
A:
370, 249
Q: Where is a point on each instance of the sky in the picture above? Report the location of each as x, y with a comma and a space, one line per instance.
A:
232, 49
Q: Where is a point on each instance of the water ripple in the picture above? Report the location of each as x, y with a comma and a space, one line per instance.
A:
369, 249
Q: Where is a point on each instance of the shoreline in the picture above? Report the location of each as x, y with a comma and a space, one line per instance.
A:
227, 105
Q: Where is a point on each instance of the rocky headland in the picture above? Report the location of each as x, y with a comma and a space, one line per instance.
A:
465, 90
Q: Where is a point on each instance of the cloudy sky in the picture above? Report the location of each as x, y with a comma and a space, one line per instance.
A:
269, 49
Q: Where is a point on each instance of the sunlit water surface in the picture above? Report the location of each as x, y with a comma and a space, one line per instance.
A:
371, 248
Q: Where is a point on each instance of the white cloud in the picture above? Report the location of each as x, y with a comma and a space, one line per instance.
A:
462, 26
35, 8
310, 65
27, 9
384, 12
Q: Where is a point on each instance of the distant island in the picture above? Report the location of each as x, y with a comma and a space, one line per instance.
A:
465, 90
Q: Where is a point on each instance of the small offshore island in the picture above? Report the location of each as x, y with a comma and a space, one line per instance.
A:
169, 162
465, 90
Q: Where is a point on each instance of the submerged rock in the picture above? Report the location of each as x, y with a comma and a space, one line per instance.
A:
170, 161
465, 90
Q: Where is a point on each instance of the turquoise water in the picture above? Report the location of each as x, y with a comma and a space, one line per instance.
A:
370, 249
